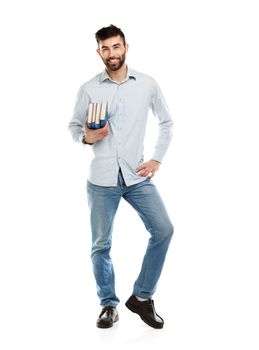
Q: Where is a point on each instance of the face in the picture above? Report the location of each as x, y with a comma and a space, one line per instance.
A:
113, 52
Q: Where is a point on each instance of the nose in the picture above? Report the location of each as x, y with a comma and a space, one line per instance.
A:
111, 53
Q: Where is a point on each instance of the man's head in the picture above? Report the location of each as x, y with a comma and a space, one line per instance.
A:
112, 47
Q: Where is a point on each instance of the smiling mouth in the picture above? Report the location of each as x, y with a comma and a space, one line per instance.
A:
113, 60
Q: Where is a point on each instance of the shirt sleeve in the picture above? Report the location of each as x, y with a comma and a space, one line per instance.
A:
76, 125
161, 111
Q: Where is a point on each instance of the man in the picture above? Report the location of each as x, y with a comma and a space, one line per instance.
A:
118, 171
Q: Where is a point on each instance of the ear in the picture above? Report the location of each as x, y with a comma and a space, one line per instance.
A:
98, 51
126, 47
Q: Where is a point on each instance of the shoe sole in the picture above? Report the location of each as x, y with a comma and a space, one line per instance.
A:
133, 309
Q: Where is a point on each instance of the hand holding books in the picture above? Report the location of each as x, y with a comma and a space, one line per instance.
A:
96, 125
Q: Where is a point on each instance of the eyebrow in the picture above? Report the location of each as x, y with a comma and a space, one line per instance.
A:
106, 47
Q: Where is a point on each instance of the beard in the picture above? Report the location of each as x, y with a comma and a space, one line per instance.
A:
115, 66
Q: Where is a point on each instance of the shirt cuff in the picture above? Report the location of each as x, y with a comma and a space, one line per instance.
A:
158, 157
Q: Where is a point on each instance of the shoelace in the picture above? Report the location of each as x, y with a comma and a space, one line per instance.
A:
107, 309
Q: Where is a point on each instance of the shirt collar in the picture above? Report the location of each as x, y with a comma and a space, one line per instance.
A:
130, 74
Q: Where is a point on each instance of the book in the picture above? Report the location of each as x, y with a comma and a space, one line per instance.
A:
97, 115
104, 114
90, 115
93, 116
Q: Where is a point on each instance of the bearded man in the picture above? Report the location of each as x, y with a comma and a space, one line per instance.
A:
118, 171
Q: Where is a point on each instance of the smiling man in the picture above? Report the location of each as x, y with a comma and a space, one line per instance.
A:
118, 171
118, 48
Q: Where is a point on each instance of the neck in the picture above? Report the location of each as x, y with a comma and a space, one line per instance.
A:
118, 75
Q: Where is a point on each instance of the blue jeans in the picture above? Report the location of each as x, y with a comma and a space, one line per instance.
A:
145, 199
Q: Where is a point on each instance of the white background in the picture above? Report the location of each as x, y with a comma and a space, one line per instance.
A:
204, 55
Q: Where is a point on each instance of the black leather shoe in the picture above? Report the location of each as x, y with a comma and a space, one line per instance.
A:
107, 317
146, 311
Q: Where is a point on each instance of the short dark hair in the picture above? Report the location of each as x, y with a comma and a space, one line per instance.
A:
108, 32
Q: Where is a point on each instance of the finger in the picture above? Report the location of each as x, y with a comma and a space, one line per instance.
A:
106, 126
141, 173
144, 172
86, 125
140, 168
103, 131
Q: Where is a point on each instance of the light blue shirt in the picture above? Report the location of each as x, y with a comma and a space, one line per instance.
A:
128, 106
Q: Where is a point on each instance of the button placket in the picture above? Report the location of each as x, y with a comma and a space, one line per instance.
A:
119, 123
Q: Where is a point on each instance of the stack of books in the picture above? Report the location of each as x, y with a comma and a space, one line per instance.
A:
97, 115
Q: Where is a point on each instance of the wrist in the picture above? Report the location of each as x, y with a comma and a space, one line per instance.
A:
85, 141
157, 161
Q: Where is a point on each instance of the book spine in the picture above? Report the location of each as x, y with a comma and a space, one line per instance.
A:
97, 116
90, 115
104, 114
93, 117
